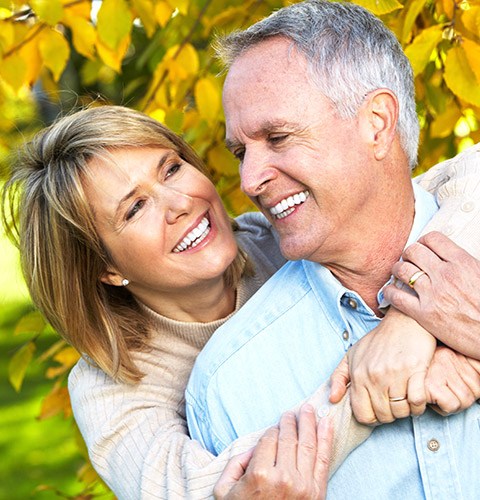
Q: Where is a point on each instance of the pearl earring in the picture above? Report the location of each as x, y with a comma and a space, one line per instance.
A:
125, 282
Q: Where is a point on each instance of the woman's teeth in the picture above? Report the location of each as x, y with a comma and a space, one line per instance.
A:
194, 237
286, 206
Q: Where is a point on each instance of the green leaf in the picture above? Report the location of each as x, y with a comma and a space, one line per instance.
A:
114, 22
19, 363
222, 160
32, 322
174, 120
420, 50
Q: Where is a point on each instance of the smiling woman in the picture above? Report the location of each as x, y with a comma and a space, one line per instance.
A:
161, 222
128, 251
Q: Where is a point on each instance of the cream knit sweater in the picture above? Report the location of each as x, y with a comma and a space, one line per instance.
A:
137, 435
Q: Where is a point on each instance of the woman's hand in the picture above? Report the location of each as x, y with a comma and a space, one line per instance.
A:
390, 362
446, 300
289, 462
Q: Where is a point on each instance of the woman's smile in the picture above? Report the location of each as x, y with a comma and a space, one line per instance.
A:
175, 234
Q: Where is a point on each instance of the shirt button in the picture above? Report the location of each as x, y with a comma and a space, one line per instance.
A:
323, 411
352, 303
345, 335
433, 445
468, 206
447, 230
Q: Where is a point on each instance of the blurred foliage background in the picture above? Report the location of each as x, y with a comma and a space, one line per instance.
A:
155, 55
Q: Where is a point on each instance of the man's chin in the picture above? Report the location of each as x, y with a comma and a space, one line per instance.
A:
292, 251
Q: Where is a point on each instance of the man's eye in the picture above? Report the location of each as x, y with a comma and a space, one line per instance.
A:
173, 169
135, 209
239, 154
275, 139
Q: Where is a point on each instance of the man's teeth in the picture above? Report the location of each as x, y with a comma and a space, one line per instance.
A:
194, 237
286, 206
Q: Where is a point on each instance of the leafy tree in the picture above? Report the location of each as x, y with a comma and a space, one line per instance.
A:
155, 55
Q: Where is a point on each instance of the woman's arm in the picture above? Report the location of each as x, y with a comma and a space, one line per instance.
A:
456, 186
137, 437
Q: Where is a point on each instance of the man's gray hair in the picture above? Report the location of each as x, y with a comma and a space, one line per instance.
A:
350, 52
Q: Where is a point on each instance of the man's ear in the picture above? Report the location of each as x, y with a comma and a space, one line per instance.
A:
111, 278
382, 114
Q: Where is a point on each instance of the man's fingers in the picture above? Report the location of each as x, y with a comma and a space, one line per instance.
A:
287, 441
232, 473
339, 381
265, 453
307, 440
324, 450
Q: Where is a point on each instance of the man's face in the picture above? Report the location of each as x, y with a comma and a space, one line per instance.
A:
307, 169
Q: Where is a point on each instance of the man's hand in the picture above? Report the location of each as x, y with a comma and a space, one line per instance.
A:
453, 381
446, 301
289, 462
390, 362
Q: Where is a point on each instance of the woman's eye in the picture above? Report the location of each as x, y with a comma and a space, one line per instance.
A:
135, 209
173, 169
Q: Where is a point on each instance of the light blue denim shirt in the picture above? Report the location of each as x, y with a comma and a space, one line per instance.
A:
283, 344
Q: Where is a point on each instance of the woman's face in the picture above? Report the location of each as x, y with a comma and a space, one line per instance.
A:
161, 220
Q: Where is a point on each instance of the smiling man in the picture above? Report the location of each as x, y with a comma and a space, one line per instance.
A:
320, 111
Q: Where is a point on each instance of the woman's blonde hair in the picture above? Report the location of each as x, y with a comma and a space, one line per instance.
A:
47, 213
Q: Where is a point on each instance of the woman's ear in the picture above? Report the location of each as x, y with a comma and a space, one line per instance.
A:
112, 278
382, 112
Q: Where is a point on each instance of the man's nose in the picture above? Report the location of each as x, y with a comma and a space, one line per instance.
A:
256, 172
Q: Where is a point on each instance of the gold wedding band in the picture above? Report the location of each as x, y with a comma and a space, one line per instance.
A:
415, 277
396, 400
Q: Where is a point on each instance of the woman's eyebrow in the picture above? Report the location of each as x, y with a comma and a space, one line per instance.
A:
136, 188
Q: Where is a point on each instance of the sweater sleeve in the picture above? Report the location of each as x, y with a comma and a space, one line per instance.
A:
139, 445
456, 186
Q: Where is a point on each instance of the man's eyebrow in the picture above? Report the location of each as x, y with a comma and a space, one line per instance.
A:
266, 128
231, 144
136, 188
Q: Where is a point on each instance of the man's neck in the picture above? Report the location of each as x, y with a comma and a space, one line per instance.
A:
368, 267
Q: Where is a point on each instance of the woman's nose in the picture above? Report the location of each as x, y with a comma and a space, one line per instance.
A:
178, 204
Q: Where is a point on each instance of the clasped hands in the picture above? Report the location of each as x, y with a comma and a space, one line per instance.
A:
399, 367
